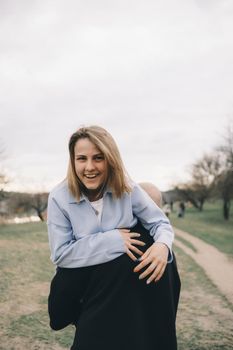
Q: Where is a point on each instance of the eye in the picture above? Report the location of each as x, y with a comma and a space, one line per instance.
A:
80, 158
99, 157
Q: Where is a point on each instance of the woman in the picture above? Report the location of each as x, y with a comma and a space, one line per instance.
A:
89, 220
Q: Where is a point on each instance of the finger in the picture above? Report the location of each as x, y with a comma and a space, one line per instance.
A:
134, 234
135, 241
130, 254
160, 274
154, 274
146, 254
135, 249
148, 271
157, 274
142, 264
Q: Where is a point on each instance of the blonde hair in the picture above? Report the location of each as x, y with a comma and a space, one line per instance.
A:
117, 177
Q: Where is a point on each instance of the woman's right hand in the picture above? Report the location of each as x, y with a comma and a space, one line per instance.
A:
130, 242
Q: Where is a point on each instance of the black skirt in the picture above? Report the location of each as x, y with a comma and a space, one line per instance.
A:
113, 309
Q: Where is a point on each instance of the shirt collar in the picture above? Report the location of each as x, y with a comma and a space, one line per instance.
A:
72, 199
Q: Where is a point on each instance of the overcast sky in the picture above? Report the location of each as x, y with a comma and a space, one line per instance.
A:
157, 74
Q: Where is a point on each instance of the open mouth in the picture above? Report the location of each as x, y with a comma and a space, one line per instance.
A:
91, 176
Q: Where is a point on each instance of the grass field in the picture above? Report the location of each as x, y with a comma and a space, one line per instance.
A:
208, 225
24, 283
204, 319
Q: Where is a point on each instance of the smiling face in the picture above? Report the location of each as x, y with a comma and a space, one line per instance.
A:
90, 167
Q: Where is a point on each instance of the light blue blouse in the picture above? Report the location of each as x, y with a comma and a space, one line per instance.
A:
77, 238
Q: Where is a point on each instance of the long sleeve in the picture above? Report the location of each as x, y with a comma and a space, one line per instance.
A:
152, 218
90, 249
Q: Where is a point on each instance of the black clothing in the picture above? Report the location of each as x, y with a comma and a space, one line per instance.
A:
113, 309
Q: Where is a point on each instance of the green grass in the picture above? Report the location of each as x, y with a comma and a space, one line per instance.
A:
25, 274
35, 326
208, 225
29, 231
187, 243
204, 319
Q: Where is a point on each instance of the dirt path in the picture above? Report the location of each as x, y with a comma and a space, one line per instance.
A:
217, 265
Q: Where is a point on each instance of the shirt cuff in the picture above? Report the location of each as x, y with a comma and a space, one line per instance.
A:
117, 242
170, 254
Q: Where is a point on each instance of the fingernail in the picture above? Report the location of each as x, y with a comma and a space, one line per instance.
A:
148, 281
138, 259
140, 277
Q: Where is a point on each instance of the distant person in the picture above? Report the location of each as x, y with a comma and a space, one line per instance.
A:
181, 211
171, 205
93, 223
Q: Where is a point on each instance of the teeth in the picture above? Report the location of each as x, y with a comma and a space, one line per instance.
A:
90, 176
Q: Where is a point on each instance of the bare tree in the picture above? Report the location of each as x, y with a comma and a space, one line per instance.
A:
212, 175
37, 202
3, 178
225, 179
205, 173
3, 182
186, 193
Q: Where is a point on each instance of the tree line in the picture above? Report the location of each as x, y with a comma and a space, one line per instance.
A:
23, 204
211, 177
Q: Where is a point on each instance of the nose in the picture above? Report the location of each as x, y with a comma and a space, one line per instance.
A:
90, 165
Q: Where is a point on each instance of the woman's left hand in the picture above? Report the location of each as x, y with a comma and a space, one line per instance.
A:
156, 257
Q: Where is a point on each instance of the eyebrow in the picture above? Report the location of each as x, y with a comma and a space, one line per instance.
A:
84, 155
